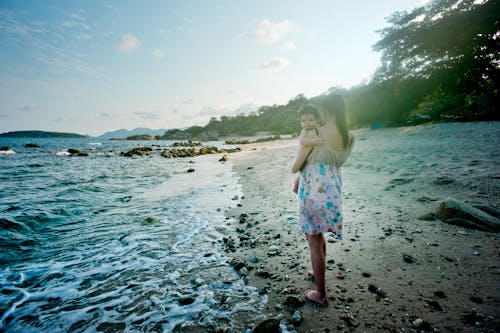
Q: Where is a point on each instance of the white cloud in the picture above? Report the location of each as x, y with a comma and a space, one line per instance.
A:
128, 44
290, 46
268, 32
146, 115
157, 53
275, 63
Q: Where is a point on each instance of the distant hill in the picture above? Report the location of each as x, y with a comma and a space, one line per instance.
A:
40, 134
123, 133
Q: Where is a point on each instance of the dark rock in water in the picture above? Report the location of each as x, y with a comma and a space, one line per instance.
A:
83, 153
4, 148
268, 326
150, 220
190, 170
111, 327
73, 151
185, 300
452, 210
140, 151
32, 145
490, 210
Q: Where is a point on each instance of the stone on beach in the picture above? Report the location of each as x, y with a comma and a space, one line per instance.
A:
459, 213
268, 326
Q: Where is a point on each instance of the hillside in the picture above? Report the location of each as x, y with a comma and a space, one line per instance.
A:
40, 134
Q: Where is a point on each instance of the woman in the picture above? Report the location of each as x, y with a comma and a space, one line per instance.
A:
320, 190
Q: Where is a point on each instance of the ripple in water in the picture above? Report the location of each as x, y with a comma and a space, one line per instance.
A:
77, 253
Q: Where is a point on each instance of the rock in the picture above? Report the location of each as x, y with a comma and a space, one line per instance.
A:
83, 153
296, 318
293, 302
111, 327
268, 326
489, 210
427, 217
223, 158
190, 170
439, 294
476, 299
458, 212
4, 148
263, 274
376, 290
408, 259
273, 250
185, 300
150, 220
418, 322
140, 151
73, 151
32, 145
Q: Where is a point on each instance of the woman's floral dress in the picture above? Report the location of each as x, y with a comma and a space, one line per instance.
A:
320, 199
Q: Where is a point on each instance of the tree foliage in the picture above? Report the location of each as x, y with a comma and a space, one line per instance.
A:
438, 62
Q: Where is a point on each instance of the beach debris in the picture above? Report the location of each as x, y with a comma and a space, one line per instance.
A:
459, 213
296, 318
377, 291
348, 318
271, 325
32, 145
293, 302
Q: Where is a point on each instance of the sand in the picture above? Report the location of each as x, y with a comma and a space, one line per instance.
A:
400, 273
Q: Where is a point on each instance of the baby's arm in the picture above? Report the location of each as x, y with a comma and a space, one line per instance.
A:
310, 138
301, 158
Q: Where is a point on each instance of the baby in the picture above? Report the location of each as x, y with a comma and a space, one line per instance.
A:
309, 121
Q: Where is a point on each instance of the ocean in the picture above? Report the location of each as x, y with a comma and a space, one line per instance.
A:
111, 243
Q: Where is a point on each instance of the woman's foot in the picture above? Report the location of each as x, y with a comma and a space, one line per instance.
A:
315, 297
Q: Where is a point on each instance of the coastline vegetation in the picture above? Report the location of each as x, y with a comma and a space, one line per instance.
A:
439, 63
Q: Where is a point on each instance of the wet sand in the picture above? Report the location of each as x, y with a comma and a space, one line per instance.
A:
400, 273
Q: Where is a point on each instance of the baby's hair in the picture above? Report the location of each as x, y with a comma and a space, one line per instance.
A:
310, 109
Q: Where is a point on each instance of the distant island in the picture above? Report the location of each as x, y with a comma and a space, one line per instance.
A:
40, 134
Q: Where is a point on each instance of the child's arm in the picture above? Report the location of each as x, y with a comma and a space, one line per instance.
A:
310, 138
301, 158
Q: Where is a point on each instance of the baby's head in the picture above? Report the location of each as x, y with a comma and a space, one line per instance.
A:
309, 117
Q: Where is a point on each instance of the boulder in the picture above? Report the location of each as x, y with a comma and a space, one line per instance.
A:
32, 145
455, 212
73, 151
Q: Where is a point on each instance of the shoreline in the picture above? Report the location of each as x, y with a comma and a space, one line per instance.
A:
398, 272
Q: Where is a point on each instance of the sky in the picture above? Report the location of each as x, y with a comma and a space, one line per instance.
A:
91, 66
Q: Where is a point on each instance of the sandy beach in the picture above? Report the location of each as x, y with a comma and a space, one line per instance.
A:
395, 271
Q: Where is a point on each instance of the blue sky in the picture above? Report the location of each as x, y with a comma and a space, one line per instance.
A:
95, 66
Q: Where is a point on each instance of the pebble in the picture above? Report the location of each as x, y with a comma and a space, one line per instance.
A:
297, 317
418, 322
273, 250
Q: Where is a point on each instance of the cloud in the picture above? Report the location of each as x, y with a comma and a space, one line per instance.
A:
275, 64
146, 115
128, 44
231, 91
25, 108
187, 101
269, 32
157, 53
291, 46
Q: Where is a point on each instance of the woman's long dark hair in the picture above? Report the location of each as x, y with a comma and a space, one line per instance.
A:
334, 106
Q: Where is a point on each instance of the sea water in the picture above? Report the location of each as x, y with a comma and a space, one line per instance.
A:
110, 243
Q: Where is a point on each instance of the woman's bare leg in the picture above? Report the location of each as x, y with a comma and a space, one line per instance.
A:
323, 247
317, 248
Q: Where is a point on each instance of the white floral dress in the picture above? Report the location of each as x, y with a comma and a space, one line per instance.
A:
320, 199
